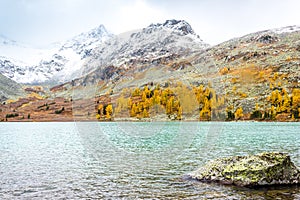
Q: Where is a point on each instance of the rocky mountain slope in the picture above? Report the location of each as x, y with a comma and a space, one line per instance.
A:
257, 65
9, 89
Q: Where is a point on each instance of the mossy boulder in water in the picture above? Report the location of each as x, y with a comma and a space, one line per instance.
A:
254, 170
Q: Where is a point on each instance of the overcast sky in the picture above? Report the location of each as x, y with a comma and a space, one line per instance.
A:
42, 22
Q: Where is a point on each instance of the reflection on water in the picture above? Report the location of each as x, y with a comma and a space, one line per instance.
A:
133, 160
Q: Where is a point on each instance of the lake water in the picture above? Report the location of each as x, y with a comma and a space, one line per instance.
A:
91, 160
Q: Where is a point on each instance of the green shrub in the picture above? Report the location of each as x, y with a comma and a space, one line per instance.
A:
60, 111
11, 115
230, 115
256, 115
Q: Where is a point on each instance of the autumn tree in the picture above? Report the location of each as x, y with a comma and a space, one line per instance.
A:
122, 104
133, 110
187, 98
281, 102
136, 92
286, 102
99, 111
224, 70
179, 113
145, 113
273, 112
210, 105
295, 102
109, 111
256, 114
238, 113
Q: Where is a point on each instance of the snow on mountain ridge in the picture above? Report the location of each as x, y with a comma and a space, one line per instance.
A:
181, 26
88, 39
33, 65
145, 45
287, 29
77, 49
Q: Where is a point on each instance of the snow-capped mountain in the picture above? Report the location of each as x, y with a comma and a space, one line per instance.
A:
25, 64
99, 48
73, 53
85, 42
155, 41
18, 61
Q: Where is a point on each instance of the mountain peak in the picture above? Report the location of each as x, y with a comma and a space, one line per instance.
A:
98, 31
180, 26
88, 40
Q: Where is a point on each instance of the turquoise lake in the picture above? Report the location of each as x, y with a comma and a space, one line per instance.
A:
126, 160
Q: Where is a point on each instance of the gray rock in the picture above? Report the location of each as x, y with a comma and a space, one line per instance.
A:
263, 169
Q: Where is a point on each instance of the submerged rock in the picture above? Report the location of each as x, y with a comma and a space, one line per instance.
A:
254, 170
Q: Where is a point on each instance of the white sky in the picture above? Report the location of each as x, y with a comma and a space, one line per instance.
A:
41, 22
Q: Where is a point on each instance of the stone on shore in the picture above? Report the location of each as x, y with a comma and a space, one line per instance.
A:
263, 169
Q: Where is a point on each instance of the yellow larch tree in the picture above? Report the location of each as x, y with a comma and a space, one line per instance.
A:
109, 111
238, 113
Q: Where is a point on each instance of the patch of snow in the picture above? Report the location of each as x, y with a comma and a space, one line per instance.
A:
287, 29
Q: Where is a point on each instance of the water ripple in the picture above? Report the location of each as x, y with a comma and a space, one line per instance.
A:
97, 161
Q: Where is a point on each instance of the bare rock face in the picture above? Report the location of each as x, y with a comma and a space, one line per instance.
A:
250, 171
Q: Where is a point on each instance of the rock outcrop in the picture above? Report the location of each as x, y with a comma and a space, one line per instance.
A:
250, 171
